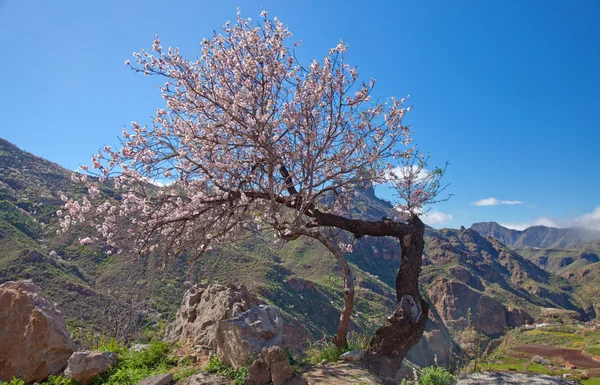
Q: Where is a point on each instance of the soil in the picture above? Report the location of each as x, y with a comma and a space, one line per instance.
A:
573, 356
335, 373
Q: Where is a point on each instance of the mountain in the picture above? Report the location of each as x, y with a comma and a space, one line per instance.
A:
538, 236
467, 278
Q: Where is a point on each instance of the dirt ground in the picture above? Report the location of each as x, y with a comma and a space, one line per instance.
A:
337, 373
573, 356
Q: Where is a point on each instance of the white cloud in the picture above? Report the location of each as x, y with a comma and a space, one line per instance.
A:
537, 222
491, 201
591, 220
588, 220
399, 171
436, 218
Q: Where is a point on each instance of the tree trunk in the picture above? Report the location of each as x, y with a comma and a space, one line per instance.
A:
340, 339
406, 325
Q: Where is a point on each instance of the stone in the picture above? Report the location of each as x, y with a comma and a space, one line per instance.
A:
140, 347
540, 360
35, 343
203, 305
272, 366
353, 355
258, 373
453, 300
278, 364
247, 334
516, 317
159, 379
84, 366
203, 378
510, 379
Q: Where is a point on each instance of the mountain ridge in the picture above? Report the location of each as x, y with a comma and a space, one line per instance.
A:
538, 236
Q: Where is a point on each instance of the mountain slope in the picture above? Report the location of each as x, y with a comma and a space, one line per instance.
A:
463, 272
538, 236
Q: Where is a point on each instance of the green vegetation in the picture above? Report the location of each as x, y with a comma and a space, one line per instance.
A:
238, 376
14, 381
433, 375
573, 336
132, 366
320, 351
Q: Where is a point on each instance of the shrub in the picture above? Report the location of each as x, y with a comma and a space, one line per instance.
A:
320, 350
433, 375
132, 367
237, 375
14, 381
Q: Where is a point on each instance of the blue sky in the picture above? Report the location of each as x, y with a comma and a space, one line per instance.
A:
506, 91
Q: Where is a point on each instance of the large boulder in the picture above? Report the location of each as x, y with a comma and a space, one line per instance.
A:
83, 366
247, 334
34, 342
272, 366
202, 307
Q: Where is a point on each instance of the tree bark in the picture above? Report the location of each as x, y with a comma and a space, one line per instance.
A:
341, 338
405, 326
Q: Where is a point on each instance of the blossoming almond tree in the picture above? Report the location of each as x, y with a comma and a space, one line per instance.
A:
249, 139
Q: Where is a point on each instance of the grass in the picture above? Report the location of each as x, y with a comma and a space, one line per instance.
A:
238, 376
433, 375
320, 351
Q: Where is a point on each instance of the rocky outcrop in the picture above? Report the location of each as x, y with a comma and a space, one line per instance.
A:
510, 379
300, 284
272, 366
238, 338
516, 317
202, 307
466, 277
34, 341
454, 300
83, 366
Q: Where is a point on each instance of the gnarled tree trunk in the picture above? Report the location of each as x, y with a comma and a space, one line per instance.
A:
405, 326
341, 338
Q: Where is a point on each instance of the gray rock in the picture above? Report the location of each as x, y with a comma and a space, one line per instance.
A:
272, 366
83, 366
140, 347
159, 379
34, 342
353, 355
540, 360
247, 334
203, 305
204, 379
510, 379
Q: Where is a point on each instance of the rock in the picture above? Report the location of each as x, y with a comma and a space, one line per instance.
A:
238, 338
353, 355
140, 347
453, 300
33, 256
35, 343
540, 360
83, 366
159, 379
516, 317
278, 363
510, 379
258, 373
300, 284
204, 379
202, 307
271, 366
